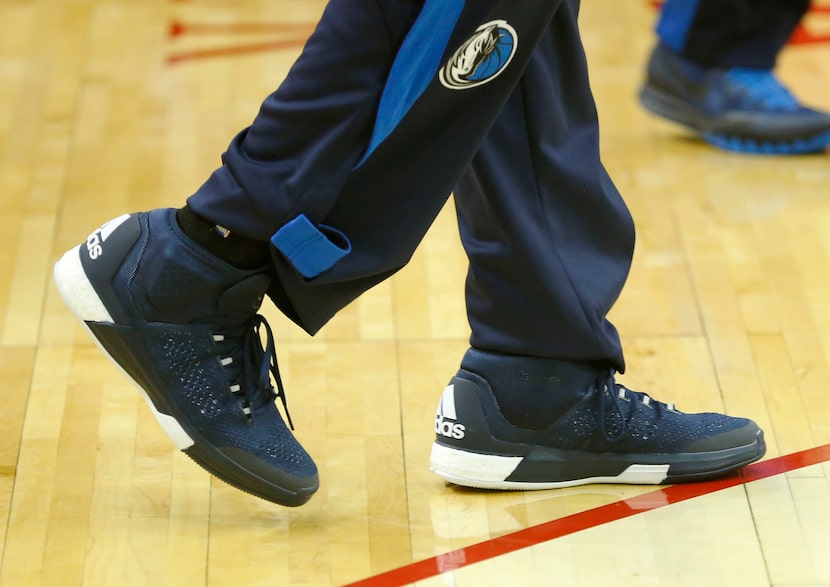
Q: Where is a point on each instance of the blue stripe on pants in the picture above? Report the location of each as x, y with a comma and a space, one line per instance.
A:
675, 22
415, 65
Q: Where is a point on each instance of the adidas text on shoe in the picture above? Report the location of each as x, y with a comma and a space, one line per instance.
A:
610, 435
183, 326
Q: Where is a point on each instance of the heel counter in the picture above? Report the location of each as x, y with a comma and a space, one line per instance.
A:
104, 253
459, 417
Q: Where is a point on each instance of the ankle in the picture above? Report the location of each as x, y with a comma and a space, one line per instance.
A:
532, 392
235, 249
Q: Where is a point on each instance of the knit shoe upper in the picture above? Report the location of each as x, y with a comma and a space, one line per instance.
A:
738, 109
610, 434
183, 325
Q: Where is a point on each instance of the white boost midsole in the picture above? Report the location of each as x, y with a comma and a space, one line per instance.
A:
490, 471
78, 293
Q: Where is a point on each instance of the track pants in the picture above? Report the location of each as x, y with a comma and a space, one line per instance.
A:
730, 33
393, 105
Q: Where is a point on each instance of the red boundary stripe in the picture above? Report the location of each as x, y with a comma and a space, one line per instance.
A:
178, 28
238, 50
611, 512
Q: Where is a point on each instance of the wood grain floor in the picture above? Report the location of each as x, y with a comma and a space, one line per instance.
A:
103, 111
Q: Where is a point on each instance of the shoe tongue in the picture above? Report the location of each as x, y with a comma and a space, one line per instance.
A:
244, 297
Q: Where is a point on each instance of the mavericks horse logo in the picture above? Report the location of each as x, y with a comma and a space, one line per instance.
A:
482, 57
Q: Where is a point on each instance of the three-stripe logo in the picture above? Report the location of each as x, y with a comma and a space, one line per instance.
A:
446, 418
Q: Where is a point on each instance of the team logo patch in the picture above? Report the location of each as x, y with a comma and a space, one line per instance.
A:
482, 57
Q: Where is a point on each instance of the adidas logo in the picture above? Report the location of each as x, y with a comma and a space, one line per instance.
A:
95, 241
446, 418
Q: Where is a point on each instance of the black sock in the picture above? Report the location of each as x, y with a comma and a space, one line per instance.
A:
532, 392
239, 251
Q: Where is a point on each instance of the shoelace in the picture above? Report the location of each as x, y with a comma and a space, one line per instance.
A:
764, 88
257, 363
607, 387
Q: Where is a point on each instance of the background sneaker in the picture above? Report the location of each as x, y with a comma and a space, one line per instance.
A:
610, 435
745, 110
183, 325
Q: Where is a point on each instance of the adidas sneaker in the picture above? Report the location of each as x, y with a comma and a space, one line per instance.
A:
609, 435
183, 326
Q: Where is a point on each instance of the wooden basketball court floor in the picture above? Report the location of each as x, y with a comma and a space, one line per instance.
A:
108, 106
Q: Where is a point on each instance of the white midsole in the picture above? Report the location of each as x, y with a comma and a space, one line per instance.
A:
490, 471
78, 293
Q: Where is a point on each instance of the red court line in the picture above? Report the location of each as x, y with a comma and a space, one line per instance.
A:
178, 28
802, 36
611, 512
238, 50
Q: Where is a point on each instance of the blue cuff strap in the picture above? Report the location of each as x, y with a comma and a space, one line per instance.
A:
311, 250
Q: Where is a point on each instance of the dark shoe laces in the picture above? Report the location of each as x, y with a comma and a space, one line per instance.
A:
255, 364
610, 394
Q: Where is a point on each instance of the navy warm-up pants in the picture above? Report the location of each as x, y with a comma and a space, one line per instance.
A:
730, 33
393, 105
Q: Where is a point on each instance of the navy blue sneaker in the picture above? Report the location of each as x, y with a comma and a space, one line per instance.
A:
183, 325
610, 434
746, 110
